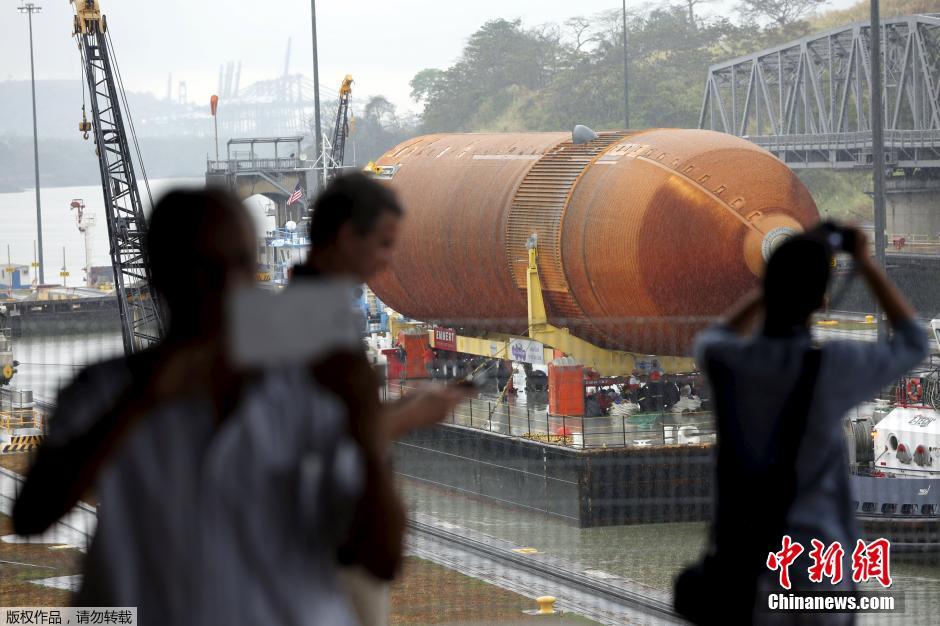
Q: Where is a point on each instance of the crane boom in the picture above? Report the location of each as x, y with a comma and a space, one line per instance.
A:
141, 320
340, 129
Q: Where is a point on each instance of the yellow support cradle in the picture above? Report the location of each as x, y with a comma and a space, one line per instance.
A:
606, 362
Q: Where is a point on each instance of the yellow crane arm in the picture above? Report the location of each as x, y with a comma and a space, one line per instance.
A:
87, 16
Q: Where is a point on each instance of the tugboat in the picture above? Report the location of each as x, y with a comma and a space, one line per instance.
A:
894, 456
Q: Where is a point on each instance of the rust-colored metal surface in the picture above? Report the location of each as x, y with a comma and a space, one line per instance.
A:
635, 231
457, 189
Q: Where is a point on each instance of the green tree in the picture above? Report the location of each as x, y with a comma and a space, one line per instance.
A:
782, 13
500, 63
425, 84
376, 130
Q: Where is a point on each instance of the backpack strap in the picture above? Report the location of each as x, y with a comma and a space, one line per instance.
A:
789, 433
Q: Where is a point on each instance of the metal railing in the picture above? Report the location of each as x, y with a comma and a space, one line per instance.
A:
21, 418
250, 164
897, 139
577, 431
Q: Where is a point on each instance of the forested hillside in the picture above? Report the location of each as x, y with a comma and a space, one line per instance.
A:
522, 77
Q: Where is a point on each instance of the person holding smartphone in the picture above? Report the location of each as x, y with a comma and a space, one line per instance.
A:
353, 230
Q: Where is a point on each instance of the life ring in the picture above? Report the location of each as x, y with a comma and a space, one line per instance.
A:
914, 389
8, 372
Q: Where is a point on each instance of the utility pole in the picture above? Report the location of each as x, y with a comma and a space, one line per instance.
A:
29, 8
878, 149
626, 91
316, 83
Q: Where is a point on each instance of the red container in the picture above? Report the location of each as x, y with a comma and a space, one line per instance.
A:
394, 367
565, 389
414, 343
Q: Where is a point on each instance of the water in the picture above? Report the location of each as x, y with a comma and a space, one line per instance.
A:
49, 363
18, 225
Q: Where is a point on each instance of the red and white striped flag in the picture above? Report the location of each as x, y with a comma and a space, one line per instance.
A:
296, 196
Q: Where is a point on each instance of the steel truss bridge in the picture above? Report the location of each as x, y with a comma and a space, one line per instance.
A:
808, 102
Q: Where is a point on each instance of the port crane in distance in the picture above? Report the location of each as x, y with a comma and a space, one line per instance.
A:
141, 319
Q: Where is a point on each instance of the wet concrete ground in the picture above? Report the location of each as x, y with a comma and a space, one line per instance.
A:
75, 529
533, 585
647, 554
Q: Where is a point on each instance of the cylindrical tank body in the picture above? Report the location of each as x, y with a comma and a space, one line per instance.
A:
637, 232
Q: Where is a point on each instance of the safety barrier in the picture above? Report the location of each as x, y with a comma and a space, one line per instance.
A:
607, 431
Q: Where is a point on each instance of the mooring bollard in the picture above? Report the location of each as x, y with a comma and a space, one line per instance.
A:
546, 605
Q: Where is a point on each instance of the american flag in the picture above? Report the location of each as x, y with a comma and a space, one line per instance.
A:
296, 196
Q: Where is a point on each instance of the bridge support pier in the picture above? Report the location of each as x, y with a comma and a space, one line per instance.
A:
913, 205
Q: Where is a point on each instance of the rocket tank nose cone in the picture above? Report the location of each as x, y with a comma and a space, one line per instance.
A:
774, 239
768, 232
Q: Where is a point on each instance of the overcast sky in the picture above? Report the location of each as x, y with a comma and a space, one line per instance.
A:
382, 44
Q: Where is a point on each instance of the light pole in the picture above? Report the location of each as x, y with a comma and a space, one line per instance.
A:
29, 8
878, 148
626, 92
316, 83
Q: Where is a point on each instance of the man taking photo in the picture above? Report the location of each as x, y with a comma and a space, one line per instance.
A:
779, 403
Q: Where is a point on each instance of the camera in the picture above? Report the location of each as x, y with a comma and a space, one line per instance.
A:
839, 238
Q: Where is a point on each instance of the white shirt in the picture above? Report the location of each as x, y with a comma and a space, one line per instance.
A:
235, 524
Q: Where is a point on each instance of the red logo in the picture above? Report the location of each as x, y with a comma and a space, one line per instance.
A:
872, 561
826, 563
783, 559
868, 561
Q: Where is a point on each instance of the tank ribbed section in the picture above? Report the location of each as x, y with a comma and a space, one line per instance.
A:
538, 207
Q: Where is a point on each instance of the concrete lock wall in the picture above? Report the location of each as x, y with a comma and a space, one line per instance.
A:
913, 273
584, 488
912, 206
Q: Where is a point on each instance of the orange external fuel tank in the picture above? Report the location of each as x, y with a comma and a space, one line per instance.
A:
637, 232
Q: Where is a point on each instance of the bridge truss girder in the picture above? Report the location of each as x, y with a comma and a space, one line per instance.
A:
808, 100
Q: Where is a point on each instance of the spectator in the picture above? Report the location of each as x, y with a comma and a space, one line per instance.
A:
354, 227
209, 511
774, 394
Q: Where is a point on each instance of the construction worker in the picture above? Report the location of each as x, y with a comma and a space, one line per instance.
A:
428, 357
402, 357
